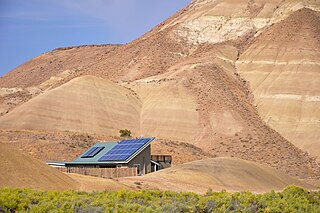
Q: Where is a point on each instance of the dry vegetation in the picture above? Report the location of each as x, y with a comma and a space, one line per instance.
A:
291, 199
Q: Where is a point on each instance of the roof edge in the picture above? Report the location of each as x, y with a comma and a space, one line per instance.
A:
140, 150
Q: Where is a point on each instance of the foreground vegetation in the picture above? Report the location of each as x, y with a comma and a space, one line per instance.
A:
291, 199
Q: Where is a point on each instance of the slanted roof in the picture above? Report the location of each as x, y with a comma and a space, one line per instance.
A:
56, 163
110, 151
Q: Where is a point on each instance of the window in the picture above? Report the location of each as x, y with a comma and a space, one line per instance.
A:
92, 152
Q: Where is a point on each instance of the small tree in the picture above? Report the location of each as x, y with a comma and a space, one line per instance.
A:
125, 133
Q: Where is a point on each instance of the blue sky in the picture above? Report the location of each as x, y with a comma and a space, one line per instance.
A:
31, 27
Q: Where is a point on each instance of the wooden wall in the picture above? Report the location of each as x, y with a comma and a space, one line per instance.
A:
101, 172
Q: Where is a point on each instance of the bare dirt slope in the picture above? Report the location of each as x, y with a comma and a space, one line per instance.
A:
41, 68
86, 104
22, 171
282, 66
223, 173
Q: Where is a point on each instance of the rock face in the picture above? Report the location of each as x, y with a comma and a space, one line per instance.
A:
217, 21
189, 81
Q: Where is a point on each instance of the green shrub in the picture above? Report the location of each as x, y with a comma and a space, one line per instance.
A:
291, 199
125, 133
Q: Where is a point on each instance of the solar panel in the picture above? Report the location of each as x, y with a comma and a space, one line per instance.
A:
92, 152
95, 152
124, 149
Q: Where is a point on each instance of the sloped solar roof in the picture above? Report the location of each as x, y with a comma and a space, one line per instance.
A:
92, 152
112, 152
125, 149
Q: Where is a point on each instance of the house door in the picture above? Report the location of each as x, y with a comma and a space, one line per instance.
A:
138, 168
143, 167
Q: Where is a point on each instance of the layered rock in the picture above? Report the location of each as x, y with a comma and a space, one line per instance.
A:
282, 66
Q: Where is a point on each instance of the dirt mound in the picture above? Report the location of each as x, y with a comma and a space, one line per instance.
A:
231, 174
22, 171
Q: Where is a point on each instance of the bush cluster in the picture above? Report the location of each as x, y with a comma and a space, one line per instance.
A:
125, 133
291, 199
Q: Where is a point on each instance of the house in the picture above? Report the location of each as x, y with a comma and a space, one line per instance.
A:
128, 153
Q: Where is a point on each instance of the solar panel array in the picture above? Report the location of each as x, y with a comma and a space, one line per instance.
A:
124, 149
92, 152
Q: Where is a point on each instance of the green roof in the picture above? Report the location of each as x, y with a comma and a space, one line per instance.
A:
107, 146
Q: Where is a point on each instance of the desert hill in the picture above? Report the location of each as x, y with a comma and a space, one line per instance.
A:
156, 51
22, 171
94, 105
223, 173
191, 82
85, 104
282, 66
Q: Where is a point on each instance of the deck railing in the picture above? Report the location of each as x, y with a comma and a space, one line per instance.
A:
162, 158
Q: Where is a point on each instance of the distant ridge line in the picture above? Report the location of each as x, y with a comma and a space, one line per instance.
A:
85, 45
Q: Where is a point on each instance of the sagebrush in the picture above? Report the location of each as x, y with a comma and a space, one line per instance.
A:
291, 199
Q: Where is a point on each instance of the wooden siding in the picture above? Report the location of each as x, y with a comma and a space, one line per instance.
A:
101, 172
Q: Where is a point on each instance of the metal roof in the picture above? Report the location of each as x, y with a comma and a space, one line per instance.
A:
107, 146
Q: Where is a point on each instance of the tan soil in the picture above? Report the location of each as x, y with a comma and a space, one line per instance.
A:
22, 171
218, 174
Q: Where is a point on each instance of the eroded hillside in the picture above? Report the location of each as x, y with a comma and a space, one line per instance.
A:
282, 66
